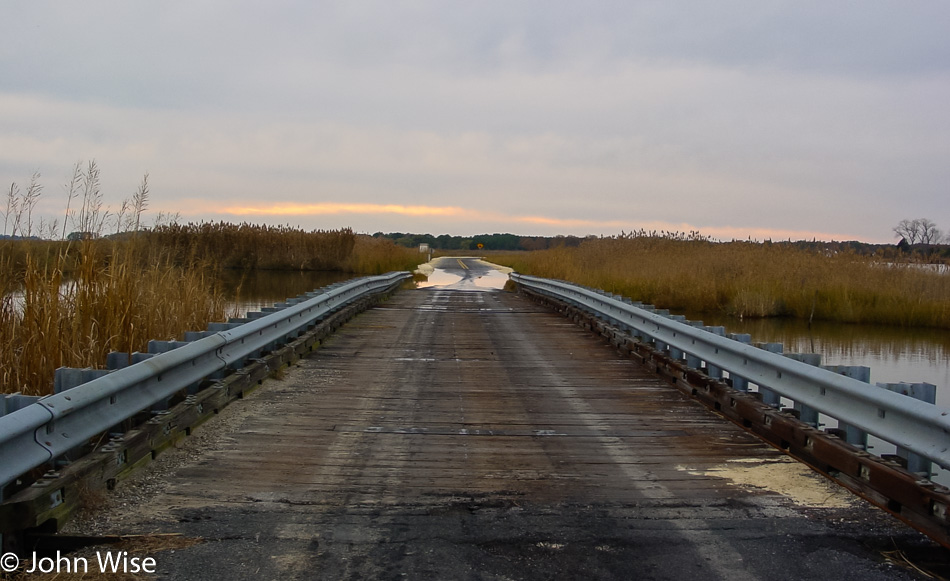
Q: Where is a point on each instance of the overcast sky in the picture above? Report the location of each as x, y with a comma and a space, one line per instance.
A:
735, 118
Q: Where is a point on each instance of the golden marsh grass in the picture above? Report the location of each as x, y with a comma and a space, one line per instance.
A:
68, 304
114, 299
748, 279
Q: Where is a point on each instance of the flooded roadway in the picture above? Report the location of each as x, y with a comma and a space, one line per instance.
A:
463, 273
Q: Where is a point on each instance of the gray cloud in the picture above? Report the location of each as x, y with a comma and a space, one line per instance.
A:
804, 116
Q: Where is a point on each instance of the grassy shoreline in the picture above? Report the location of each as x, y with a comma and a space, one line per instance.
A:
743, 280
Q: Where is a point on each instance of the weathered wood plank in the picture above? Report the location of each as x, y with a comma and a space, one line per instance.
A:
470, 434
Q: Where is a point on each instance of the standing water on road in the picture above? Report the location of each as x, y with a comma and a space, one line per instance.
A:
463, 273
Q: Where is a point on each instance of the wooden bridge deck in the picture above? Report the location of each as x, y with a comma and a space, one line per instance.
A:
474, 435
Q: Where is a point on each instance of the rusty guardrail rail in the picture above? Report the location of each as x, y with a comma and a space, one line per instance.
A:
38, 433
906, 422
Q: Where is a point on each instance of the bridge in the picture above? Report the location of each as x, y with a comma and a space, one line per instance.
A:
460, 431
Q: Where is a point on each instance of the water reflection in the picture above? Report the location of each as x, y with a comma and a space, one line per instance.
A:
439, 278
493, 279
893, 353
462, 273
252, 290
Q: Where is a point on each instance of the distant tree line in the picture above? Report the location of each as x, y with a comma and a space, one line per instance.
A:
900, 251
487, 241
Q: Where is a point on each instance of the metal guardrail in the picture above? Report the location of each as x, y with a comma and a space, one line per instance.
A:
45, 430
919, 427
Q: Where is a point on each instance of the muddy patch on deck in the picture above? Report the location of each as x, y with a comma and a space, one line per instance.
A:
785, 476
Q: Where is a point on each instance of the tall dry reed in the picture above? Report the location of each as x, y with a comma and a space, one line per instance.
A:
115, 299
71, 303
748, 279
250, 246
378, 255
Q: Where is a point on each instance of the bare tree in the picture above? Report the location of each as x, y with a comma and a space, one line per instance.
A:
929, 233
919, 231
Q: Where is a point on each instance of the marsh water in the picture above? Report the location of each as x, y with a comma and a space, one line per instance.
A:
254, 289
894, 354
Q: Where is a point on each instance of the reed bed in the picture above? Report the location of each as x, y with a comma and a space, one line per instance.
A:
111, 299
70, 303
379, 255
256, 246
747, 279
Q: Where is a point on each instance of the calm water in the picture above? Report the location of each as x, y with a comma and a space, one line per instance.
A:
250, 291
893, 353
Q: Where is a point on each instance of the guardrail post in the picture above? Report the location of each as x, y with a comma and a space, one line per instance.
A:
807, 414
768, 396
118, 360
196, 335
677, 354
643, 336
926, 392
851, 434
738, 382
627, 328
12, 402
692, 361
712, 370
609, 315
158, 347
